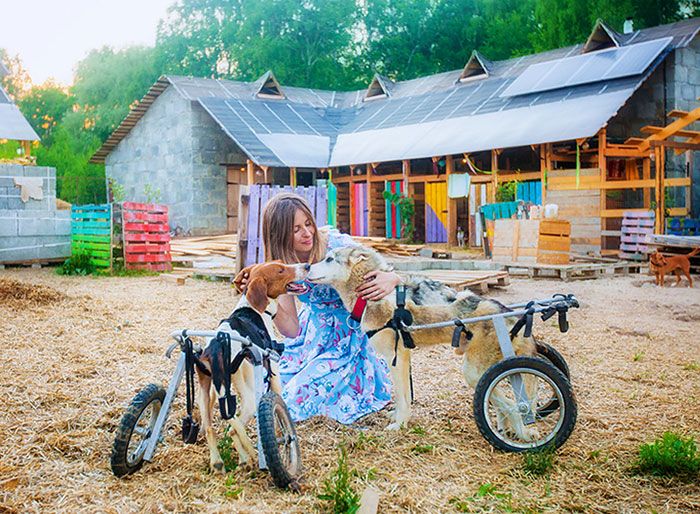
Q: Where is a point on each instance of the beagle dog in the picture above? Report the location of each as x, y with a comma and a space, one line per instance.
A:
252, 318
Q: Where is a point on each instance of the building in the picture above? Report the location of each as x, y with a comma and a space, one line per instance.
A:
574, 126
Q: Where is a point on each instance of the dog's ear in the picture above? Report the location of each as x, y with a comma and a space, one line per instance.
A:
358, 255
256, 294
243, 274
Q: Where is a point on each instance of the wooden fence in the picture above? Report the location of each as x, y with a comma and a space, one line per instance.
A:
146, 236
253, 200
91, 233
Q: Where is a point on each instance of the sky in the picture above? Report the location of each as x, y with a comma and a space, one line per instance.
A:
51, 36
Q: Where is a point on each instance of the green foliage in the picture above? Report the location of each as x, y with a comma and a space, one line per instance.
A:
423, 448
44, 107
116, 190
670, 455
539, 462
487, 495
225, 447
638, 356
407, 209
79, 263
506, 191
337, 489
152, 195
233, 490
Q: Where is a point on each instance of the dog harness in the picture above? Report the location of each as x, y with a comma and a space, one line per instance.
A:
401, 319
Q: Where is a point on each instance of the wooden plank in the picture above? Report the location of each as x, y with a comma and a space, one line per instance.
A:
145, 216
150, 237
672, 128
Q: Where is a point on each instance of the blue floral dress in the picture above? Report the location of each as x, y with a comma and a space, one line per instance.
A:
329, 369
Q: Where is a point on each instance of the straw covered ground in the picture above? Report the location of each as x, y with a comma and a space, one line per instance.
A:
75, 351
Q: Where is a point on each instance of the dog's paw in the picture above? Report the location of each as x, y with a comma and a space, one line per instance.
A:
394, 426
391, 414
217, 467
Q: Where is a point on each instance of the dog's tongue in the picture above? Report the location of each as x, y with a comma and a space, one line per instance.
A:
297, 287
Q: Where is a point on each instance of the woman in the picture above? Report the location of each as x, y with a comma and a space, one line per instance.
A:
327, 368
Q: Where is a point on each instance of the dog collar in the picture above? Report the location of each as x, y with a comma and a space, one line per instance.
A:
358, 309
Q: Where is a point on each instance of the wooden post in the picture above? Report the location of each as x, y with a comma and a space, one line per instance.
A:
451, 204
494, 175
369, 198
250, 172
662, 189
27, 145
646, 175
603, 176
657, 189
543, 171
265, 177
293, 177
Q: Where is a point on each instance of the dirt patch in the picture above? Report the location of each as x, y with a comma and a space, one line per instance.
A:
21, 295
69, 373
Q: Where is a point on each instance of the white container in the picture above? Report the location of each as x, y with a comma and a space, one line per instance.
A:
551, 211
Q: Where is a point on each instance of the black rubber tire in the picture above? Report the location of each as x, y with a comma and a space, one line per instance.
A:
551, 355
270, 404
556, 376
119, 462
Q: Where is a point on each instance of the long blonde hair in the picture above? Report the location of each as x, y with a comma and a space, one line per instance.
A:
278, 229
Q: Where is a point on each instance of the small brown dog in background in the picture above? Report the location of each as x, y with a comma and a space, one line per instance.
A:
661, 265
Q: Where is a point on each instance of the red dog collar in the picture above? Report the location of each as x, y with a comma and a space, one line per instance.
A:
358, 309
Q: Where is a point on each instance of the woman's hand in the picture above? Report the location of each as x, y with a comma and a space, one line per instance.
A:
378, 284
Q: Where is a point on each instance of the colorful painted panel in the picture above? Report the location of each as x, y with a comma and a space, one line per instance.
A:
91, 232
393, 214
146, 235
436, 212
530, 191
359, 225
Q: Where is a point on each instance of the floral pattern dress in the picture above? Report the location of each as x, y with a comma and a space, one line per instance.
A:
330, 369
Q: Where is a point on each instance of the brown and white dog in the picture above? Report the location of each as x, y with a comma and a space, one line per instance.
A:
344, 269
266, 282
661, 265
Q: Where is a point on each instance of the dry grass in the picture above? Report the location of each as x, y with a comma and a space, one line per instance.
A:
71, 363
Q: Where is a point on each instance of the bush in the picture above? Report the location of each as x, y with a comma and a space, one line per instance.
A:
80, 263
669, 455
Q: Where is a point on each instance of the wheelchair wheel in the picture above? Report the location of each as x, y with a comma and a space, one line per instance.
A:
551, 355
279, 440
508, 400
135, 430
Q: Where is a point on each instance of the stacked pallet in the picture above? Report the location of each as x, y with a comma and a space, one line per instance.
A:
186, 249
637, 226
389, 247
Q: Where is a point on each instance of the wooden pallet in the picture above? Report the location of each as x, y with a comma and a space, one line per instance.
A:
636, 227
146, 236
476, 280
573, 271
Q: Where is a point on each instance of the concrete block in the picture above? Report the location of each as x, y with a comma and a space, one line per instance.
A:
11, 170
14, 203
35, 171
687, 92
8, 223
681, 73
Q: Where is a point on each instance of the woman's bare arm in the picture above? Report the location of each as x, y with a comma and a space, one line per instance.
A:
286, 320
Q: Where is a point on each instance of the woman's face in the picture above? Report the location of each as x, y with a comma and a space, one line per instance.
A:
303, 232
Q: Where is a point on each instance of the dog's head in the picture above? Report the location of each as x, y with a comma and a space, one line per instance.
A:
657, 259
346, 265
269, 280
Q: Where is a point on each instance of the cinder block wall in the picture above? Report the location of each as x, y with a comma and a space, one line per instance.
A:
158, 152
33, 230
211, 148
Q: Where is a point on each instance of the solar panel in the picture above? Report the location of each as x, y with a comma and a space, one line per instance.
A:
605, 64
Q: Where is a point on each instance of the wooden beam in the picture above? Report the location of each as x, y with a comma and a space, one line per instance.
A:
543, 171
370, 167
677, 113
634, 141
628, 152
657, 190
27, 146
684, 145
651, 129
293, 177
603, 166
451, 205
646, 175
382, 178
250, 172
672, 128
494, 175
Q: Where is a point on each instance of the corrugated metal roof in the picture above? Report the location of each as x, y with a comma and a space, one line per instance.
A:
423, 117
13, 125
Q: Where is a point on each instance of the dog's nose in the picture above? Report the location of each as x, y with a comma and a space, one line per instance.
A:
307, 267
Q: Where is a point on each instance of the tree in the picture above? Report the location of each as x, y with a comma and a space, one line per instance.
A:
44, 107
18, 82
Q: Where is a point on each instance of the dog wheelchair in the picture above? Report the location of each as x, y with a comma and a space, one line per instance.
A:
141, 426
521, 403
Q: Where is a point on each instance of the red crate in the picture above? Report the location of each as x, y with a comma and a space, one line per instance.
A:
146, 236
